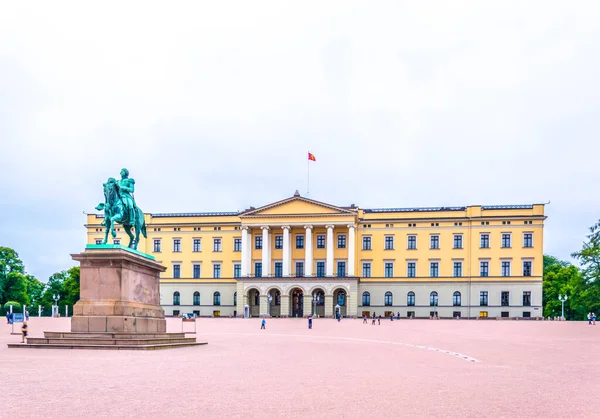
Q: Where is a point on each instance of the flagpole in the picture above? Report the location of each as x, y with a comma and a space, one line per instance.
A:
307, 176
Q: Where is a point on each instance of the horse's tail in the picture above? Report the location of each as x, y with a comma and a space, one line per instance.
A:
143, 223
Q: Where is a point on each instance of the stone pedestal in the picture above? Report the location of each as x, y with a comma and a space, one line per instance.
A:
119, 292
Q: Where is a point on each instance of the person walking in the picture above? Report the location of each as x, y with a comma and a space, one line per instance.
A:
27, 315
589, 318
263, 324
593, 318
374, 318
8, 318
364, 318
309, 321
379, 320
24, 331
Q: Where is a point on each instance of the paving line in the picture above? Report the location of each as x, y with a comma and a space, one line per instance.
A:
421, 347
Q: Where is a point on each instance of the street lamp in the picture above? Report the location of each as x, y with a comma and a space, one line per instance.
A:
56, 298
315, 299
270, 298
563, 299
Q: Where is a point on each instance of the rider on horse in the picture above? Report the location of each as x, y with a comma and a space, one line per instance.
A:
126, 188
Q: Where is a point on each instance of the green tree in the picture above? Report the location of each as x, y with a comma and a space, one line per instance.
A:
589, 257
70, 287
54, 287
9, 263
562, 278
14, 286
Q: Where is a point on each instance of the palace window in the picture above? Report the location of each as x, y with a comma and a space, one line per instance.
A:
341, 298
217, 247
505, 240
196, 271
389, 242
320, 269
485, 241
504, 298
116, 241
389, 270
366, 299
411, 269
433, 299
176, 245
278, 242
157, 243
526, 268
237, 270
457, 269
484, 268
412, 242
483, 298
196, 298
176, 298
176, 271
216, 271
320, 241
388, 299
197, 245
366, 270
527, 240
506, 268
341, 243
299, 269
278, 269
366, 243
299, 242
258, 242
258, 269
526, 298
456, 299
435, 242
235, 298
434, 269
217, 299
99, 241
341, 268
237, 244
410, 299
458, 241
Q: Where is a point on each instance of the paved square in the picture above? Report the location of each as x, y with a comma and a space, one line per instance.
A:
401, 368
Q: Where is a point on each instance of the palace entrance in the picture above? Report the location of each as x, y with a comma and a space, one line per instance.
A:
296, 303
254, 302
339, 302
319, 296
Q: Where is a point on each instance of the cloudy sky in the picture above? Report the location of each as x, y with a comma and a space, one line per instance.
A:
214, 105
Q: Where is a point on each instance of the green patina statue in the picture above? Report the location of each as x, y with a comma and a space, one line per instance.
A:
120, 208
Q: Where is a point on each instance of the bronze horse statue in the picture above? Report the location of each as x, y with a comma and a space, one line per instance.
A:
115, 212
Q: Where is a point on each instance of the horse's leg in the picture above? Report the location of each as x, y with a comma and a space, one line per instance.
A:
108, 224
116, 218
127, 229
137, 234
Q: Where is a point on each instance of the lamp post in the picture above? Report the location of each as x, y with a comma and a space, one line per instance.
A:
315, 300
56, 298
269, 298
562, 299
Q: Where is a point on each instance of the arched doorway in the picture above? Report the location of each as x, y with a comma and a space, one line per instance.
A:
296, 303
254, 302
274, 297
340, 299
320, 298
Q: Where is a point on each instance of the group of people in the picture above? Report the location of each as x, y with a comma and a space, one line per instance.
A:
10, 317
591, 318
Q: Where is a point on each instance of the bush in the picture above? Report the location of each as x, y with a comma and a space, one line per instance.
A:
14, 304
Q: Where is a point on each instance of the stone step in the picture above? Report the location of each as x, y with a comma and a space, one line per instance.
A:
108, 341
114, 335
107, 347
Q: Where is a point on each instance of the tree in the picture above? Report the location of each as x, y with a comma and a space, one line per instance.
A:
35, 289
9, 263
54, 287
71, 286
589, 257
15, 288
562, 278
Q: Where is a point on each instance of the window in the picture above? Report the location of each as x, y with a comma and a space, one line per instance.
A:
341, 268
176, 312
258, 242
526, 314
216, 299
320, 269
433, 299
526, 268
299, 269
117, 241
176, 271
366, 243
176, 298
504, 314
527, 240
341, 298
217, 248
279, 269
366, 269
412, 242
237, 270
484, 268
320, 241
434, 269
157, 243
483, 298
278, 242
299, 242
458, 269
216, 271
505, 240
458, 241
526, 298
389, 242
411, 269
197, 245
235, 298
196, 271
456, 299
341, 240
504, 298
197, 298
237, 244
366, 300
389, 269
435, 242
257, 269
410, 299
388, 299
176, 245
483, 314
485, 241
506, 268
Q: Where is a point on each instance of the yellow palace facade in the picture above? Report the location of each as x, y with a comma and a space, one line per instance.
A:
299, 256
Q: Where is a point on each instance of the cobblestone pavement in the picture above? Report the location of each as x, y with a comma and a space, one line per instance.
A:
450, 368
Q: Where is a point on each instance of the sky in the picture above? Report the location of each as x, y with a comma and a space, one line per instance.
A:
213, 106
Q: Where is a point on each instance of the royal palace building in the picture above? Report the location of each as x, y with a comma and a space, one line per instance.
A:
300, 256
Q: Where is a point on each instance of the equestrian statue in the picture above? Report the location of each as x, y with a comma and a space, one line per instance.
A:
119, 207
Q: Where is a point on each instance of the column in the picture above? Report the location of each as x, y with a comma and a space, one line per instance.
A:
328, 306
245, 250
329, 263
308, 251
286, 251
351, 252
262, 309
241, 298
285, 306
307, 309
266, 259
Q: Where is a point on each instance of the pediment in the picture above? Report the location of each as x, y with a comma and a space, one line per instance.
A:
297, 205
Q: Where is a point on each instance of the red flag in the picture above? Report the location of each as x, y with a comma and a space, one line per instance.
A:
311, 157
